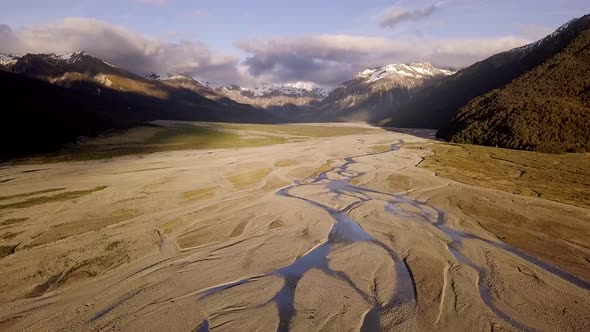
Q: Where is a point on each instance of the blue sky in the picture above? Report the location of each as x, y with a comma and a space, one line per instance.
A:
279, 41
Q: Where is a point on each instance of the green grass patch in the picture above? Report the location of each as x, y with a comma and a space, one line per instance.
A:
204, 137
300, 130
13, 221
327, 166
7, 251
113, 245
188, 136
563, 178
191, 135
250, 178
199, 194
9, 235
287, 163
76, 227
33, 193
173, 138
172, 225
65, 196
380, 148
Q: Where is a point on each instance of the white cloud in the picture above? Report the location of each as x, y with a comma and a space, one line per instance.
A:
326, 60
331, 59
121, 47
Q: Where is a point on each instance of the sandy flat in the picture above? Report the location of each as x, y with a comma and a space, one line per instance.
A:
337, 234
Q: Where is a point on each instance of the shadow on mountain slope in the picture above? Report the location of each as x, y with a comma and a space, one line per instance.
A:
39, 116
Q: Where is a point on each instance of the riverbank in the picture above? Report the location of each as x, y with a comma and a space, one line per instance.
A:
334, 233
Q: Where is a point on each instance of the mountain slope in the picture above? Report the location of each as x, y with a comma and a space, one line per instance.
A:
49, 115
210, 91
375, 92
546, 109
82, 69
69, 96
435, 106
7, 61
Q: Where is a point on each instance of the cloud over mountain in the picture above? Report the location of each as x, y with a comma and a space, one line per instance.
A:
331, 59
120, 46
325, 59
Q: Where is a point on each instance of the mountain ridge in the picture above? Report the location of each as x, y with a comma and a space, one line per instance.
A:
435, 106
374, 92
79, 87
546, 109
273, 97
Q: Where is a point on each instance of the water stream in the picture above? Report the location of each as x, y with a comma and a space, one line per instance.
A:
346, 231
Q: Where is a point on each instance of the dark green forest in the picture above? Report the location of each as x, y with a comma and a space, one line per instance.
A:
547, 109
435, 107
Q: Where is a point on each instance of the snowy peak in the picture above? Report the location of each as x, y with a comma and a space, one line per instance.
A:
72, 57
293, 96
152, 77
572, 27
81, 56
8, 59
210, 85
375, 92
294, 89
64, 60
418, 70
178, 78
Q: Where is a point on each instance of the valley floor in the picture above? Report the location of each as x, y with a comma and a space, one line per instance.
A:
305, 229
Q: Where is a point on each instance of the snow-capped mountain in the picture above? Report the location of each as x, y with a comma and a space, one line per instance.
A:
375, 91
273, 96
8, 60
418, 70
185, 82
75, 57
297, 89
71, 58
437, 106
61, 67
532, 46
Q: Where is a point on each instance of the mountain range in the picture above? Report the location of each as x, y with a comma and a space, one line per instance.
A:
437, 105
546, 109
369, 96
534, 97
376, 93
288, 97
52, 99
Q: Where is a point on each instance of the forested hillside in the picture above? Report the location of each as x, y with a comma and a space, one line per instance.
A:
436, 106
546, 109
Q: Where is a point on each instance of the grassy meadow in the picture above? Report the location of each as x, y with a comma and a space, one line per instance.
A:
173, 136
563, 178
